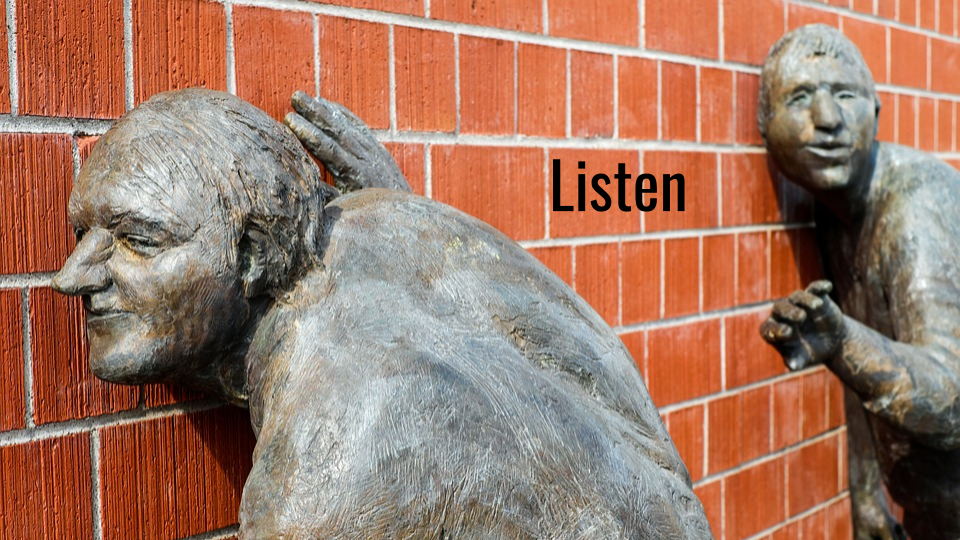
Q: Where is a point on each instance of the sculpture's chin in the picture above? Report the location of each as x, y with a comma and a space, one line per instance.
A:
120, 353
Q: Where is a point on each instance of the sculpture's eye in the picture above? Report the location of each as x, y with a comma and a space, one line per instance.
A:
143, 245
845, 95
799, 98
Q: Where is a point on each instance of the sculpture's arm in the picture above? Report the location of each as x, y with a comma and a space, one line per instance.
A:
344, 144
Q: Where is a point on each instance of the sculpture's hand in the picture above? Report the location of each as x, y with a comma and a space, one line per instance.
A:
807, 328
344, 144
872, 520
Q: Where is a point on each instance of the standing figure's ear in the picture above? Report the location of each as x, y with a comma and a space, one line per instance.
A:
261, 262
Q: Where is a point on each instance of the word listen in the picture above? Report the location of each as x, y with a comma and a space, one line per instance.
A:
622, 176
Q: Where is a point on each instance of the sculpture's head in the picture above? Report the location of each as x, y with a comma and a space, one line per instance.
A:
192, 212
818, 108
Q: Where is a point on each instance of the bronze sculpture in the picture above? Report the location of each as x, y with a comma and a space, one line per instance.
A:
888, 227
410, 371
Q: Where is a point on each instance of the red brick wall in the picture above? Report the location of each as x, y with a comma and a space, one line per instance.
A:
475, 98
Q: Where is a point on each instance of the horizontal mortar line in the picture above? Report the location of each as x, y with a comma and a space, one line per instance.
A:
869, 17
584, 143
24, 281
802, 515
219, 534
660, 235
73, 427
53, 124
913, 91
695, 318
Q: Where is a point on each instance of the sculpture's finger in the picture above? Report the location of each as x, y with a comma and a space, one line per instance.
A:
320, 112
821, 287
775, 332
322, 146
786, 311
806, 300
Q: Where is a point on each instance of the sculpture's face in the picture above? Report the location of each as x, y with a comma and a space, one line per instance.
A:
156, 265
822, 121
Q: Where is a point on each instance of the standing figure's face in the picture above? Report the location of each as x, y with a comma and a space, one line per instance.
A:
156, 264
822, 121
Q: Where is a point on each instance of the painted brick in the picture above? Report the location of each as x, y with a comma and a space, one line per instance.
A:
907, 120
597, 279
486, 86
46, 489
346, 44
640, 281
12, 412
611, 21
871, 39
679, 101
798, 16
542, 87
788, 410
407, 7
748, 358
887, 119
409, 158
590, 222
37, 172
749, 193
591, 94
945, 63
759, 488
677, 371
557, 259
945, 125
425, 80
522, 15
926, 124
928, 14
907, 12
635, 342
756, 436
815, 402
716, 106
699, 170
724, 419
812, 474
508, 188
64, 387
668, 27
686, 429
80, 48
905, 48
178, 44
748, 92
750, 28
785, 263
947, 23
274, 56
637, 91
4, 65
751, 268
173, 499
681, 281
887, 9
711, 496
719, 271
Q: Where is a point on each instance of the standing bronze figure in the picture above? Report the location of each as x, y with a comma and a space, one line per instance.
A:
888, 321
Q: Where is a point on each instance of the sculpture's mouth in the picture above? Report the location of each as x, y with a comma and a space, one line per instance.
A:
830, 151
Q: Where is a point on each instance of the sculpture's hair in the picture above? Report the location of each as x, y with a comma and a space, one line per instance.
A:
804, 42
256, 167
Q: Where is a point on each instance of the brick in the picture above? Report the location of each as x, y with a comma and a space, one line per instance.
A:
591, 94
679, 101
521, 15
926, 124
798, 16
558, 259
749, 359
905, 48
711, 496
838, 521
750, 27
678, 371
509, 194
640, 281
686, 430
749, 193
790, 532
668, 27
173, 498
409, 158
871, 39
784, 263
591, 222
751, 268
836, 411
907, 120
681, 283
719, 271
407, 7
4, 65
748, 92
609, 21
756, 436
274, 56
178, 44
863, 6
907, 12
486, 86
37, 172
638, 102
887, 9
887, 119
759, 488
947, 24
597, 279
699, 170
80, 48
64, 387
787, 412
815, 402
944, 60
813, 525
159, 395
945, 125
635, 342
928, 14
46, 489
716, 106
542, 88
12, 412
85, 145
346, 44
724, 419
812, 474
425, 80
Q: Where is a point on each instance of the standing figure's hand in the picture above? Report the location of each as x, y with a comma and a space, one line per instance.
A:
344, 144
807, 328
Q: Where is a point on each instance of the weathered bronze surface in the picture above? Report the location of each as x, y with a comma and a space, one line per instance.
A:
410, 371
888, 321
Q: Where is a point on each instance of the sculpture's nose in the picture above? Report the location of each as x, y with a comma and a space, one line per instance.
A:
825, 112
85, 271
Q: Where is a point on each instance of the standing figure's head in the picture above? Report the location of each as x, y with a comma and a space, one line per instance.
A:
193, 211
818, 108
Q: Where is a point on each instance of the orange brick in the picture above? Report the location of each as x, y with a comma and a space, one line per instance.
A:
591, 94
947, 24
928, 14
749, 359
681, 282
683, 362
668, 27
46, 489
751, 268
784, 263
597, 278
863, 6
274, 56
790, 532
37, 172
591, 222
11, 361
178, 44
815, 402
641, 281
4, 65
486, 86
542, 85
907, 120
944, 61
346, 44
716, 106
839, 523
611, 21
748, 92
755, 430
907, 12
635, 342
425, 80
787, 412
699, 170
836, 411
159, 395
759, 488
506, 189
887, 9
679, 97
409, 158
522, 15
926, 124
686, 430
407, 7
173, 499
905, 48
637, 91
887, 119
871, 39
64, 387
719, 271
945, 125
749, 192
80, 48
812, 474
711, 496
724, 418
557, 259
798, 16
750, 28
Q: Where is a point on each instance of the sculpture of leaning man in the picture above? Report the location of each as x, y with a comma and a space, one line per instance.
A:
410, 371
888, 226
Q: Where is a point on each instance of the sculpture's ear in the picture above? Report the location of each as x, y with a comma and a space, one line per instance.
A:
261, 262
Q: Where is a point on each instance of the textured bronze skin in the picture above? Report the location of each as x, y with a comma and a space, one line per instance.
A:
888, 321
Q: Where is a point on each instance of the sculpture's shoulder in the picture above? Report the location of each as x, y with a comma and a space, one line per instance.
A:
911, 177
